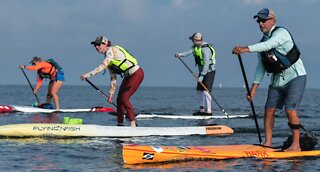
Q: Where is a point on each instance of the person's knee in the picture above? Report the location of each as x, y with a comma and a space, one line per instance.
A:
53, 93
123, 98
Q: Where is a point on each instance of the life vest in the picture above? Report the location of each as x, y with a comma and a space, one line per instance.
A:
54, 66
198, 54
49, 74
282, 62
120, 66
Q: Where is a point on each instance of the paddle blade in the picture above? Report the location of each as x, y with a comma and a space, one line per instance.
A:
36, 104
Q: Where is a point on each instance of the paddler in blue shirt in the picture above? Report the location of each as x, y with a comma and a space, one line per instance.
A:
278, 54
204, 55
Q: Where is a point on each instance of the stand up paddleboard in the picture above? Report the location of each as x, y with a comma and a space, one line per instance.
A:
172, 116
31, 109
85, 130
138, 154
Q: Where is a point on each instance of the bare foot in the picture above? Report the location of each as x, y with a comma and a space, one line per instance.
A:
133, 124
293, 149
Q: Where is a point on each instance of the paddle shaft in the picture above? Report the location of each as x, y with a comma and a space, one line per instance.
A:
251, 102
30, 85
95, 87
195, 76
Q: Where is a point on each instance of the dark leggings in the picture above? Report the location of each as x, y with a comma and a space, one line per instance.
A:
128, 87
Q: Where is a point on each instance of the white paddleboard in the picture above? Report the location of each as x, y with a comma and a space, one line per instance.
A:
85, 130
31, 109
154, 115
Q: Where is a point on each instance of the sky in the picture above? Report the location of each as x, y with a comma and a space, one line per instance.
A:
153, 31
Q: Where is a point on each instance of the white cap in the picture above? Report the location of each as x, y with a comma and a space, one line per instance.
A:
196, 36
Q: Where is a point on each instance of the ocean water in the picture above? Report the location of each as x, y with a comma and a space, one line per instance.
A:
105, 154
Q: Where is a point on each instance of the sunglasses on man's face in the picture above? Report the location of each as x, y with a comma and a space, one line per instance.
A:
262, 20
97, 45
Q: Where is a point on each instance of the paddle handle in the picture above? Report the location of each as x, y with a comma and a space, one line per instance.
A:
25, 75
195, 76
95, 87
251, 102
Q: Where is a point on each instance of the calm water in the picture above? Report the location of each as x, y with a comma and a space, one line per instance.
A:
104, 154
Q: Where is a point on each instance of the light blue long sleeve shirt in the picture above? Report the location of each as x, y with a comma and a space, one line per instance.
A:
283, 43
206, 54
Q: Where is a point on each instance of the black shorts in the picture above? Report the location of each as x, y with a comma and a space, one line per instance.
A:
207, 81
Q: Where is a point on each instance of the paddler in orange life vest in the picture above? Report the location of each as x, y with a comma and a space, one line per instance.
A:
119, 61
47, 70
204, 55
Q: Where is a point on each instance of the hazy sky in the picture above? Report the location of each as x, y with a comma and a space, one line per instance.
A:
153, 31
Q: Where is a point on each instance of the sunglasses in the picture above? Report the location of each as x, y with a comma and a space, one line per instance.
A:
263, 20
97, 45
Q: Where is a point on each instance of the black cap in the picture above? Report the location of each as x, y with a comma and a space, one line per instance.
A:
35, 59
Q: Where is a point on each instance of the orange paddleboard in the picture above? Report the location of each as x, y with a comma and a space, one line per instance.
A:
138, 154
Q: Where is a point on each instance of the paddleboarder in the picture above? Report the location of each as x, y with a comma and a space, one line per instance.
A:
278, 55
204, 55
51, 70
119, 61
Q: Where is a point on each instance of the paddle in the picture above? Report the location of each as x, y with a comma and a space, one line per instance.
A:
95, 87
30, 85
195, 76
251, 103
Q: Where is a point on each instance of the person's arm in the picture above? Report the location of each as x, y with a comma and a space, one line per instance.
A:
38, 85
113, 84
253, 90
40, 65
184, 54
36, 67
279, 37
259, 72
240, 50
100, 68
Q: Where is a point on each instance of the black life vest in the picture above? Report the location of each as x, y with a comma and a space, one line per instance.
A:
282, 62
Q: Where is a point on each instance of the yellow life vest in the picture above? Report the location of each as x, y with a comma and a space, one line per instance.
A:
119, 66
198, 54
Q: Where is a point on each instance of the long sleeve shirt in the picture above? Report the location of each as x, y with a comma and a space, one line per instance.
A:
112, 53
209, 63
283, 43
44, 67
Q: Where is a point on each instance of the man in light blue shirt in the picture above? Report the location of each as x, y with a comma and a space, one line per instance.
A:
278, 55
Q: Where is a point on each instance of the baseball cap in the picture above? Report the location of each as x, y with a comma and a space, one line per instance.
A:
100, 40
35, 59
266, 13
196, 36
